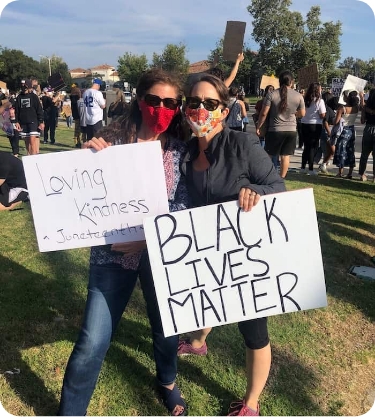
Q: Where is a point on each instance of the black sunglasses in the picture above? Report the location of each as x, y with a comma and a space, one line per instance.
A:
169, 103
209, 104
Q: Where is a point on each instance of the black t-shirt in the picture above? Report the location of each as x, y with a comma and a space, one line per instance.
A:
11, 170
47, 103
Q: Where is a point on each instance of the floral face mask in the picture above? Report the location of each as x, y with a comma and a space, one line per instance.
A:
202, 121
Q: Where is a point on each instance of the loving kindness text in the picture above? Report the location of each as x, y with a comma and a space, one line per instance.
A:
86, 192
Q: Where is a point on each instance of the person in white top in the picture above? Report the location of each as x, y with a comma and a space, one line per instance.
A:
311, 125
94, 105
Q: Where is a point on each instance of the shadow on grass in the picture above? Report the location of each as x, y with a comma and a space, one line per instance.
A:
30, 304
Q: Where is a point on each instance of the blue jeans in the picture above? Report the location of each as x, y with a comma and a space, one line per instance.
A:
109, 290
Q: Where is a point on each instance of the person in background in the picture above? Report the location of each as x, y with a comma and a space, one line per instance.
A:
75, 95
9, 123
215, 174
312, 126
67, 110
237, 111
219, 73
82, 119
368, 139
299, 125
114, 270
345, 146
328, 122
49, 116
245, 120
284, 105
118, 107
29, 117
94, 104
13, 187
258, 108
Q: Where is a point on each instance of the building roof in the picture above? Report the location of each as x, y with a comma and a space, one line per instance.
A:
199, 66
78, 70
102, 67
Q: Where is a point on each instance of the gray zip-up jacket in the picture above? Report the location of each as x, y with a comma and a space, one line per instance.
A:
236, 160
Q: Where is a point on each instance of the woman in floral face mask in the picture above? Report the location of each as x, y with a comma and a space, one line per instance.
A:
222, 165
114, 269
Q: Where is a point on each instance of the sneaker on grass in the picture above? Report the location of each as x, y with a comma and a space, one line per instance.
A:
185, 348
239, 408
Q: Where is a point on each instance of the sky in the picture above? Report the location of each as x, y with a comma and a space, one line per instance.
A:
87, 33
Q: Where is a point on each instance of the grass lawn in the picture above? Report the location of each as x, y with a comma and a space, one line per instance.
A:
323, 360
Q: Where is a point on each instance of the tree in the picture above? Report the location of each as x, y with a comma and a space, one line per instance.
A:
172, 59
16, 67
131, 67
57, 65
245, 69
287, 41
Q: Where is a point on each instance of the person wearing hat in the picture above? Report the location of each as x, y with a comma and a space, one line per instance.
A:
75, 95
29, 117
94, 105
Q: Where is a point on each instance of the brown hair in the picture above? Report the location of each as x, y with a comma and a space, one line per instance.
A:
124, 129
218, 84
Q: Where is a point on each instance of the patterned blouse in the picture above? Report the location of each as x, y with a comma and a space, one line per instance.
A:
174, 152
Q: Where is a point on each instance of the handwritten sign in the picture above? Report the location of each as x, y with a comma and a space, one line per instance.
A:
85, 198
336, 86
352, 83
266, 80
233, 40
216, 265
308, 75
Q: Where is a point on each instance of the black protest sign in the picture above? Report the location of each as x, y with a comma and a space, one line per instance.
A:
233, 40
216, 265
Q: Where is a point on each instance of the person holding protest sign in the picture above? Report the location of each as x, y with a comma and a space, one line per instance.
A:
114, 270
284, 105
222, 165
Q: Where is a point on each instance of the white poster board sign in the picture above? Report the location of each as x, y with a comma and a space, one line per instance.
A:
86, 198
352, 83
216, 265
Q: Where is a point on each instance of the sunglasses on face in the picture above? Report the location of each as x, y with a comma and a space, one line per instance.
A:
169, 103
209, 104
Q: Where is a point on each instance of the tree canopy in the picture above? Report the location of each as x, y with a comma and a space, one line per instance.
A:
131, 67
289, 41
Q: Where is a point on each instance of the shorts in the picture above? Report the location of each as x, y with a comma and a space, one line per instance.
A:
255, 333
281, 143
29, 129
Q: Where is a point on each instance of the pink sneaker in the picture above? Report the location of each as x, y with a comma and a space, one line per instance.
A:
185, 348
239, 408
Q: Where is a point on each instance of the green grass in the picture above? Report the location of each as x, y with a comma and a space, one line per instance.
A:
323, 360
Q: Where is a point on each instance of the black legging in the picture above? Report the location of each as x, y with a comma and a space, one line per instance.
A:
311, 135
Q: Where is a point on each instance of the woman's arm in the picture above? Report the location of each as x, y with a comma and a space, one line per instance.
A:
338, 115
234, 71
262, 117
243, 108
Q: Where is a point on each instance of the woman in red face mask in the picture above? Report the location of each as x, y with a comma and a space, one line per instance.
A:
114, 269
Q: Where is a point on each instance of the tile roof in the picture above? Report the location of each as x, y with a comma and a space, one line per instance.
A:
199, 66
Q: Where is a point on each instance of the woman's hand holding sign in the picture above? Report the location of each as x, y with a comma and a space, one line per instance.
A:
248, 198
96, 143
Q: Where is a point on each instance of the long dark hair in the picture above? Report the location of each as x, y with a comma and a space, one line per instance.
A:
285, 81
124, 129
312, 94
370, 103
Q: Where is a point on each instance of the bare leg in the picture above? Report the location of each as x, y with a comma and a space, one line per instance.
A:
34, 145
284, 165
28, 146
258, 365
198, 338
12, 206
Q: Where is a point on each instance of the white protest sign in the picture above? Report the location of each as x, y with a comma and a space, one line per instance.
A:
352, 83
216, 265
86, 198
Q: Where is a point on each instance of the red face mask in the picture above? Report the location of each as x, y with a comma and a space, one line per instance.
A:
157, 119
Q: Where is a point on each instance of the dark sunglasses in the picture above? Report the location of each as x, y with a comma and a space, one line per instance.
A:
209, 104
169, 103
